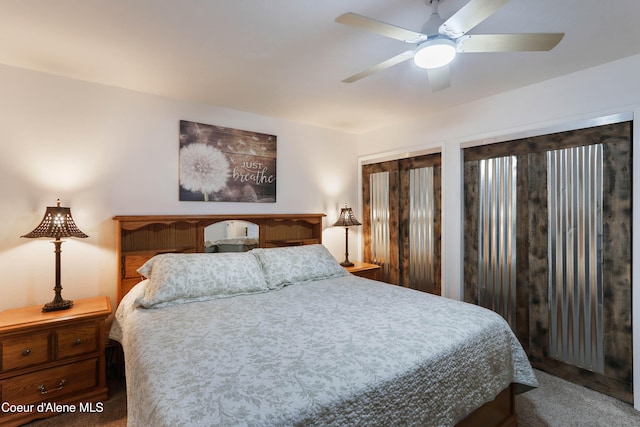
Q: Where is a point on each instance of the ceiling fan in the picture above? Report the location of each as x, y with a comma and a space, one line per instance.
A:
439, 41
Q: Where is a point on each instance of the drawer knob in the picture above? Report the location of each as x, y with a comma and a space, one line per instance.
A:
43, 389
26, 352
78, 341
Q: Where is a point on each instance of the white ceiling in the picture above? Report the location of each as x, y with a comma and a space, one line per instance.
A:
286, 58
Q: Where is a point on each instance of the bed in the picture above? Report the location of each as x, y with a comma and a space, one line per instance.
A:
285, 336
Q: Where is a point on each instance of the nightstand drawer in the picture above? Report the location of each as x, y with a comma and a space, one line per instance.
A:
20, 351
76, 340
50, 384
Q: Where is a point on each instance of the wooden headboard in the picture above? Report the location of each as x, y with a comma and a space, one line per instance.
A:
140, 237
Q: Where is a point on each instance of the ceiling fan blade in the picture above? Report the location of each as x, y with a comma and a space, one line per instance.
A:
363, 23
508, 42
439, 78
469, 16
381, 66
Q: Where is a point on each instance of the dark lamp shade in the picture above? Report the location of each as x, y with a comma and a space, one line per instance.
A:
346, 219
57, 223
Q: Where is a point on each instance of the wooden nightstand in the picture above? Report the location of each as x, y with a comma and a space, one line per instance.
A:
363, 269
55, 357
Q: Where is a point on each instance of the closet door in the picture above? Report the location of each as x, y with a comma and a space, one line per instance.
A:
380, 218
401, 221
570, 213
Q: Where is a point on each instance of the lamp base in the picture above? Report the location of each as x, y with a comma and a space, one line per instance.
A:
347, 263
57, 305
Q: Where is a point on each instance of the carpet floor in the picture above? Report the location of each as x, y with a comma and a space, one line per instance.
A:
559, 403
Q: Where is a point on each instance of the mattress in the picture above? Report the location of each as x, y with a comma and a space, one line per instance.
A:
344, 351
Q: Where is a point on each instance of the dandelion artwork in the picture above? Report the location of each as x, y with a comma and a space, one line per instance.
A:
203, 169
226, 165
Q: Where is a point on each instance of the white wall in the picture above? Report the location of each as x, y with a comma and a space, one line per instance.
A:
601, 91
105, 151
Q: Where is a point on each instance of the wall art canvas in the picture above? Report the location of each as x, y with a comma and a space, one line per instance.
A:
219, 164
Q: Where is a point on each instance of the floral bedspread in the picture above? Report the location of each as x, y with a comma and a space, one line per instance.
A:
338, 352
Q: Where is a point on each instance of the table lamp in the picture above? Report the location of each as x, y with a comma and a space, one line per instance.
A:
347, 219
57, 223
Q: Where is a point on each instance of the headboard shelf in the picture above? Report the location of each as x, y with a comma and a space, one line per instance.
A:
140, 237
156, 251
291, 242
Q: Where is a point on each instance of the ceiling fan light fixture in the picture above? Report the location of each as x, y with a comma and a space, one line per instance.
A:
435, 53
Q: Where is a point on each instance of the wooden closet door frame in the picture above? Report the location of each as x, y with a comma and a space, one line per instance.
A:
399, 214
532, 255
394, 185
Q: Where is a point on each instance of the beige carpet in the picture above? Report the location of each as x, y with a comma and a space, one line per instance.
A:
556, 403
559, 403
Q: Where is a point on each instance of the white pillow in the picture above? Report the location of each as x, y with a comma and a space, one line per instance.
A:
179, 278
297, 264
